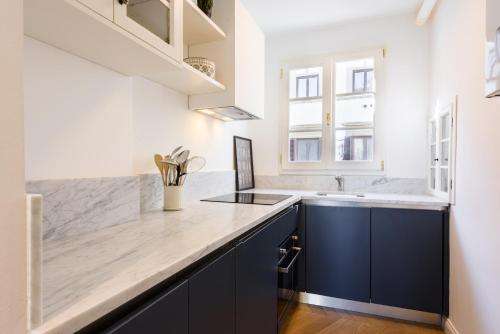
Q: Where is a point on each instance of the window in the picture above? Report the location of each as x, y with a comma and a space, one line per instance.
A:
441, 149
330, 113
362, 80
307, 86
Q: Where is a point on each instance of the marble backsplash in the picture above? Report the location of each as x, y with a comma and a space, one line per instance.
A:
197, 186
75, 206
352, 183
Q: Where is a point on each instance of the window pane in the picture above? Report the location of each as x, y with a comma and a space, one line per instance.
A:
302, 87
445, 126
305, 149
313, 86
306, 113
433, 178
344, 75
299, 79
444, 179
370, 80
359, 81
444, 153
305, 130
354, 145
354, 111
433, 155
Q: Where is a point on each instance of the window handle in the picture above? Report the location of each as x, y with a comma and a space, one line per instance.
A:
328, 119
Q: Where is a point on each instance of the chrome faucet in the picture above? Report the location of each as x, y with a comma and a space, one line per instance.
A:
340, 182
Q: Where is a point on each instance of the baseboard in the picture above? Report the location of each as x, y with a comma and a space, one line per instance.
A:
373, 309
448, 326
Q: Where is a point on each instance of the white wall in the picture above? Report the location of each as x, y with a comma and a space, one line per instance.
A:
407, 68
162, 122
83, 120
458, 36
12, 197
78, 116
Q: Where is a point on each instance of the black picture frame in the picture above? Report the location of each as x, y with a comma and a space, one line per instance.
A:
243, 163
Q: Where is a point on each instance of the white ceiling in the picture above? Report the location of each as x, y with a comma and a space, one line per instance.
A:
282, 16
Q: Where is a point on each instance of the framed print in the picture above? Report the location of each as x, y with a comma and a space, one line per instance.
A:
243, 161
492, 48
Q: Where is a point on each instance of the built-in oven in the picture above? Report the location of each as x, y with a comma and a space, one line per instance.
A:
289, 253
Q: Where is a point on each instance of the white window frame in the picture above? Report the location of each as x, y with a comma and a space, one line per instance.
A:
449, 108
328, 164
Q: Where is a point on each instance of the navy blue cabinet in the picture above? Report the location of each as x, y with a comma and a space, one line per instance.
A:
338, 252
212, 298
167, 313
407, 259
257, 275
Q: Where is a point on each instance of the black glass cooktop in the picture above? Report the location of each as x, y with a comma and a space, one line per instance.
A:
247, 198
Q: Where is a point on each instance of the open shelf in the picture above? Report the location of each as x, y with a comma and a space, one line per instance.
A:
198, 27
193, 82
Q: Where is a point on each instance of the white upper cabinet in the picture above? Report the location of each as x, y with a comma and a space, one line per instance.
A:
157, 22
103, 7
150, 38
240, 60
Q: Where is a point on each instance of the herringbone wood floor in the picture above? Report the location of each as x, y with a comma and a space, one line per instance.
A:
307, 319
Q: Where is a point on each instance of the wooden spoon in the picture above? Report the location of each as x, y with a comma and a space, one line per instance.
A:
158, 161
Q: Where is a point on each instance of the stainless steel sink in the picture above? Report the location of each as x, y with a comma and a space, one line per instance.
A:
339, 194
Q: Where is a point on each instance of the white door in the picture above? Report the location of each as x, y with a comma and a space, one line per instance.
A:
157, 22
103, 7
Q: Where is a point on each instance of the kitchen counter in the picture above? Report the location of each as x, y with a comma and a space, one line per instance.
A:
87, 276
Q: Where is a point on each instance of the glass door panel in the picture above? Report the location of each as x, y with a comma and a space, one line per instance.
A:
156, 22
153, 15
433, 155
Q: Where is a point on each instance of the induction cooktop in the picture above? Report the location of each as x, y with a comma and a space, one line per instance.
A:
248, 198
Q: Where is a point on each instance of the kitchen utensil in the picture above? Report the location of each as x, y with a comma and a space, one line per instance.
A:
158, 161
192, 165
170, 166
181, 159
177, 149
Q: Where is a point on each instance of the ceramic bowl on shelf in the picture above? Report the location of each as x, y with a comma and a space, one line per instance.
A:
203, 65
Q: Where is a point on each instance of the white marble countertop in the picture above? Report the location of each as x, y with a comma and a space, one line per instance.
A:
87, 276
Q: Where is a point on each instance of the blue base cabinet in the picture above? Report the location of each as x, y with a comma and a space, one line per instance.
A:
407, 259
338, 252
212, 297
167, 313
257, 276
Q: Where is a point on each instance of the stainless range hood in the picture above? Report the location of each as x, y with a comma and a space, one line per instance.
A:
227, 113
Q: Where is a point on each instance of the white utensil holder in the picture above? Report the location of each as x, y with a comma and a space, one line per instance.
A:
172, 198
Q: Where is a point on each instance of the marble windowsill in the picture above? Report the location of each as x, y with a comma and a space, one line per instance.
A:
88, 275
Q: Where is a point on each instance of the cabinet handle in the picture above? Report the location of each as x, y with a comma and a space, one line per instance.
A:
123, 2
286, 270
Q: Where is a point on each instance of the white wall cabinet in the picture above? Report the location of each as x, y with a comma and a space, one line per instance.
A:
240, 60
151, 38
103, 7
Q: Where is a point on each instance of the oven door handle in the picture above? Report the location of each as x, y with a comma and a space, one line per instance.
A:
286, 270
